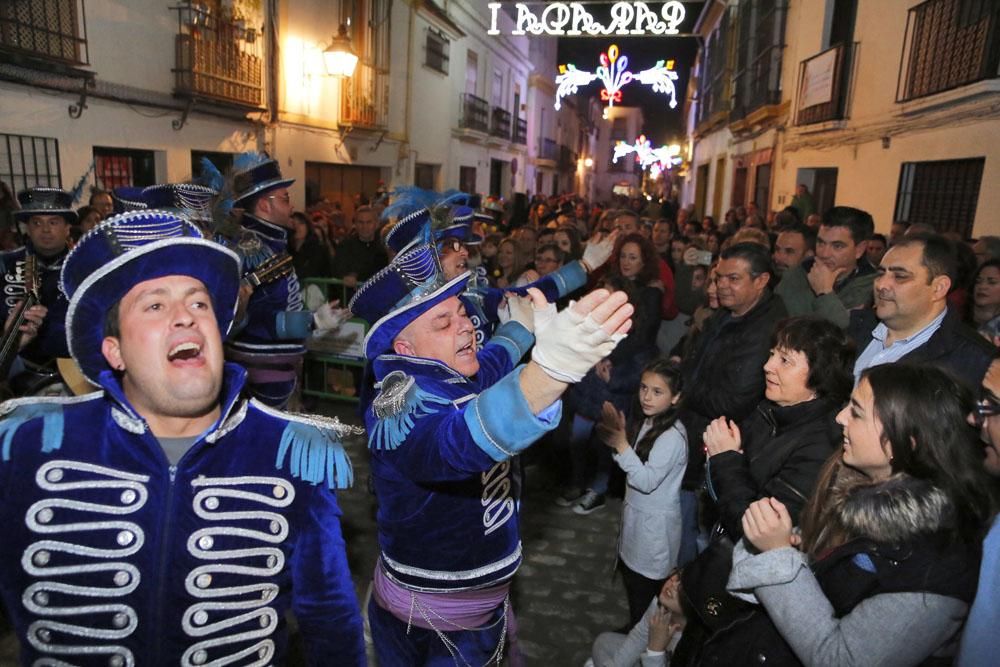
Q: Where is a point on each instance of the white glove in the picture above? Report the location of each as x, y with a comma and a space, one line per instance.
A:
598, 252
568, 344
329, 317
519, 309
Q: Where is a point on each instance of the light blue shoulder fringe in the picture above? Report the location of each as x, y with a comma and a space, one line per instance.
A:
399, 404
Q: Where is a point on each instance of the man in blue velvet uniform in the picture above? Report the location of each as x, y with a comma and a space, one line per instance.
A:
443, 427
269, 339
166, 519
45, 218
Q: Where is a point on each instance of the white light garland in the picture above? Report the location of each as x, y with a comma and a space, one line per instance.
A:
614, 74
656, 160
573, 20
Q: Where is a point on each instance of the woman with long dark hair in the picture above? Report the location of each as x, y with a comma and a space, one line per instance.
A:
891, 538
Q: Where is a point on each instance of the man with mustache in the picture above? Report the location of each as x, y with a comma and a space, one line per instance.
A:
911, 320
166, 519
445, 423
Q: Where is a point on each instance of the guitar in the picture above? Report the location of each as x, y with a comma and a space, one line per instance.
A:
270, 270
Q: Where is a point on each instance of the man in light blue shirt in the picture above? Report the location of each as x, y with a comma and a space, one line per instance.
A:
913, 320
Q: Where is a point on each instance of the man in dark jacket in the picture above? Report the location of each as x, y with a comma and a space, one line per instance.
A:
911, 321
724, 374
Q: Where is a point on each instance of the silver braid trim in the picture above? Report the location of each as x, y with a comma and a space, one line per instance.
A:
51, 599
212, 615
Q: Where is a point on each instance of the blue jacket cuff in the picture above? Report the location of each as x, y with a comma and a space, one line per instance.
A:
293, 324
502, 424
569, 278
514, 338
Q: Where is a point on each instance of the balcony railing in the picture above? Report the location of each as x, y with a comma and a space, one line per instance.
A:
520, 132
825, 84
52, 30
548, 150
500, 123
218, 59
949, 43
365, 102
475, 113
758, 85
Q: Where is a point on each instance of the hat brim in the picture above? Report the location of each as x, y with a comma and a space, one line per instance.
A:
69, 215
215, 266
381, 334
261, 188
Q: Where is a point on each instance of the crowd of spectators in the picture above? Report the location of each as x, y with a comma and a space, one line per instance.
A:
816, 450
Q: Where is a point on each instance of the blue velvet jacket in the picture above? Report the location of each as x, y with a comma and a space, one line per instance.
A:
275, 320
50, 342
441, 464
112, 556
482, 301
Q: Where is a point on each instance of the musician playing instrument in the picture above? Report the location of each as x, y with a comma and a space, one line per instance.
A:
269, 338
44, 218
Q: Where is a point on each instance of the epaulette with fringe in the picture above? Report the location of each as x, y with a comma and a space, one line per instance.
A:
311, 448
399, 403
17, 412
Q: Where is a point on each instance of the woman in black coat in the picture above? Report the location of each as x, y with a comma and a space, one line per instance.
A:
778, 451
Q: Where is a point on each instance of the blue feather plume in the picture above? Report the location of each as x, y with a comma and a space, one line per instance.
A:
52, 425
314, 455
248, 160
77, 190
408, 199
210, 175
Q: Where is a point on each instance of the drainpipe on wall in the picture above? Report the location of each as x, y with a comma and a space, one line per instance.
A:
405, 143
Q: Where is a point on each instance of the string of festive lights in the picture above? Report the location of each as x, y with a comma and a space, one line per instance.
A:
614, 74
656, 160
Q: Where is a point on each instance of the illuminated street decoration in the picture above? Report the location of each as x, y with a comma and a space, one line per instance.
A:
614, 74
655, 160
571, 19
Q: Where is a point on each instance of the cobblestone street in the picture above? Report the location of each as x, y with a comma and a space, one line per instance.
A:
564, 594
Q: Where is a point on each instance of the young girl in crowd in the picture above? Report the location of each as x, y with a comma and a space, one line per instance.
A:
651, 448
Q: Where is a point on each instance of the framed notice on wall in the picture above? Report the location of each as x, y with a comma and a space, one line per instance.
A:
817, 79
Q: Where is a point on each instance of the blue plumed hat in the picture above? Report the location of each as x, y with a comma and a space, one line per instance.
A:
127, 198
127, 249
410, 229
45, 201
411, 285
426, 226
253, 174
457, 224
195, 202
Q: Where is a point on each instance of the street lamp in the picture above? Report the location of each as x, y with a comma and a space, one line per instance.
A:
588, 162
339, 57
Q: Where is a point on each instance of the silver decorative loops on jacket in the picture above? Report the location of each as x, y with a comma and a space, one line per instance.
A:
225, 607
499, 506
59, 515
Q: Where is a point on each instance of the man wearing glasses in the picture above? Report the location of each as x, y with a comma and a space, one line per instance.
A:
269, 338
979, 640
44, 220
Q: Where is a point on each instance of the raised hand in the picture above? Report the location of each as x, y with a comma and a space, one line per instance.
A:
768, 525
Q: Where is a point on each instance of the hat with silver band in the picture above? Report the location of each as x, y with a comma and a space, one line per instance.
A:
411, 285
127, 249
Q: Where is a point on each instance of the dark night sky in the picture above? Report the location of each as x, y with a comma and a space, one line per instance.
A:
662, 122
